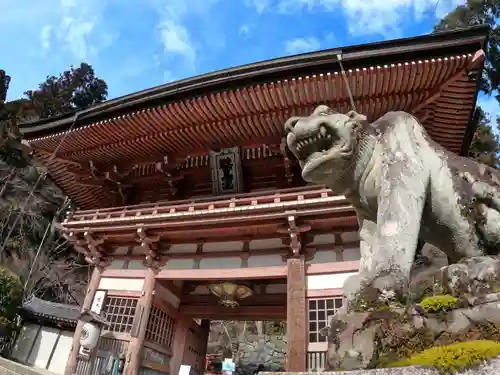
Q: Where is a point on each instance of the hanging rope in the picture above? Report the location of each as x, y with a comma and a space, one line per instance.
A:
346, 81
39, 179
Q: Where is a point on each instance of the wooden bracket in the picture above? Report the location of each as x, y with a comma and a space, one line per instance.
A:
435, 94
94, 255
149, 247
286, 161
294, 231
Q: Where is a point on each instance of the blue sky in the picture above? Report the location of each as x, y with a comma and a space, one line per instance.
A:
136, 44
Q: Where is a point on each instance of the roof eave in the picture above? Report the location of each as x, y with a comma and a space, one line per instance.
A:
280, 68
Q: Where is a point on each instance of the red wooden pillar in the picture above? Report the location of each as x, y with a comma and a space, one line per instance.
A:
296, 315
87, 303
179, 343
133, 358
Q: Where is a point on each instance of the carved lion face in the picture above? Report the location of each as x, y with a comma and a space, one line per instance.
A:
323, 141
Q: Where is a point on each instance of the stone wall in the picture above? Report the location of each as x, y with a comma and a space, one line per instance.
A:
248, 348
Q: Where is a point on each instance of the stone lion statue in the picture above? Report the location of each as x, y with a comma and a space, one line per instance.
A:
404, 188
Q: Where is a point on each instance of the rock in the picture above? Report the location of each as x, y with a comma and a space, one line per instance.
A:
489, 368
474, 276
457, 321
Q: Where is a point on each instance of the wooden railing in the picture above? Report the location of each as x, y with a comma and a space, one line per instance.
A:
316, 361
290, 198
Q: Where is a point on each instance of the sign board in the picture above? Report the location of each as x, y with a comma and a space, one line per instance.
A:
98, 302
184, 370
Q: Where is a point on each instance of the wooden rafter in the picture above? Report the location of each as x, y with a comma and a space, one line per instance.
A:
476, 61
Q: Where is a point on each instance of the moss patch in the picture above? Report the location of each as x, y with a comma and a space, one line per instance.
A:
398, 339
452, 358
438, 304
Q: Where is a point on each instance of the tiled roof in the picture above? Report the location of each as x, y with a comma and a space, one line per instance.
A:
57, 312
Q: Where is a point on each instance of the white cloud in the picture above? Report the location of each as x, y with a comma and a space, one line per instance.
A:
176, 39
45, 37
259, 5
301, 45
175, 36
364, 17
75, 26
61, 26
244, 31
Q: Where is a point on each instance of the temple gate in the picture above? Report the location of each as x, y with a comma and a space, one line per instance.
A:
191, 207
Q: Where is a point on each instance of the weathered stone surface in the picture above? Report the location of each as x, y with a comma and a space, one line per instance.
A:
378, 329
253, 350
489, 368
405, 189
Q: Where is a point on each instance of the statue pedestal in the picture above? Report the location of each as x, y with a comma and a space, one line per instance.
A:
453, 304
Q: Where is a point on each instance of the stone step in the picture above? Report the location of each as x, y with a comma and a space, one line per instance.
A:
8, 367
490, 368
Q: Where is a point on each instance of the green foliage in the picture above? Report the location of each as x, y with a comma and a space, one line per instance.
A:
472, 13
10, 296
58, 273
74, 89
441, 303
452, 358
4, 85
486, 145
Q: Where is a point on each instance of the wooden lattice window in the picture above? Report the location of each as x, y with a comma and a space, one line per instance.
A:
120, 313
319, 311
160, 328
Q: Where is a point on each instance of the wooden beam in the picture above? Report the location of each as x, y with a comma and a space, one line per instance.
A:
238, 313
274, 272
223, 274
329, 268
202, 300
323, 293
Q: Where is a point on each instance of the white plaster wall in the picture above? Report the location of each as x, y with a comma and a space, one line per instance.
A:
117, 264
136, 265
24, 342
270, 243
350, 236
326, 256
121, 250
265, 260
331, 281
317, 347
323, 239
176, 264
45, 342
351, 254
218, 263
210, 247
183, 248
35, 344
61, 354
111, 283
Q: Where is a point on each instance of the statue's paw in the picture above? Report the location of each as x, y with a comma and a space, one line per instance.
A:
489, 227
353, 285
390, 285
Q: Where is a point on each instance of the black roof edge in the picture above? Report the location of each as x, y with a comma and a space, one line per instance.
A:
459, 41
473, 120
